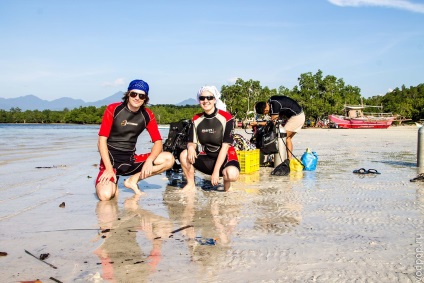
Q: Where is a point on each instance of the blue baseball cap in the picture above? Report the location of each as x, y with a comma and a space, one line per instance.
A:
140, 85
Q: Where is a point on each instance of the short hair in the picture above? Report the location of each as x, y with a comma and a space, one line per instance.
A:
260, 107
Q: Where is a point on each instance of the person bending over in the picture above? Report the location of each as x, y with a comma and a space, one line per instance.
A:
121, 125
212, 129
283, 107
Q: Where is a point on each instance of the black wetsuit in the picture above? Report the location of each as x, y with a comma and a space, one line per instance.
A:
211, 131
122, 127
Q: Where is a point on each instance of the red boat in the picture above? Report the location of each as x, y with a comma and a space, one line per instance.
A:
356, 118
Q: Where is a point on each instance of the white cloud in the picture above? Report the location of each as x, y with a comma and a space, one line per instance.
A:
232, 81
398, 4
115, 83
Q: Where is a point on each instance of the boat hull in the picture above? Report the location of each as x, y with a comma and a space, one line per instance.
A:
361, 123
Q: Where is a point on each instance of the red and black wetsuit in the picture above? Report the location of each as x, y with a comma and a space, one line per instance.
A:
211, 131
122, 127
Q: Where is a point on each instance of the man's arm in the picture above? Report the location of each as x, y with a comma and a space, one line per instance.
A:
147, 169
104, 154
156, 150
263, 123
219, 161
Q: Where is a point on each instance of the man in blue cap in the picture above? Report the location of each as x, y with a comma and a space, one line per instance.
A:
121, 125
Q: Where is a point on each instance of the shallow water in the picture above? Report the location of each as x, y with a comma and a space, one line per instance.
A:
329, 225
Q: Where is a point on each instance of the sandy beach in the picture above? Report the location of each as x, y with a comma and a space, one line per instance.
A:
328, 225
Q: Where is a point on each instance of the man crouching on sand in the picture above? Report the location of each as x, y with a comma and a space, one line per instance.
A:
122, 123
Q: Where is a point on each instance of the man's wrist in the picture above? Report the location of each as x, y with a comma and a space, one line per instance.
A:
150, 161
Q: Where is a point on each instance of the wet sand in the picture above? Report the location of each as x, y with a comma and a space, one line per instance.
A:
329, 225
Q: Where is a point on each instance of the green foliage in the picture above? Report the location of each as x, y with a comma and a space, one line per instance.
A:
406, 102
241, 97
318, 95
167, 113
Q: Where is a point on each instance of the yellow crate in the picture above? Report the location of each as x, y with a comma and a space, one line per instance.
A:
249, 160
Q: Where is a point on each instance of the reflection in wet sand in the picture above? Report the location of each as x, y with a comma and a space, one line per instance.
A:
121, 256
213, 221
219, 220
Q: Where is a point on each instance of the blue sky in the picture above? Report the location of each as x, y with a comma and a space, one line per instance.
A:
91, 49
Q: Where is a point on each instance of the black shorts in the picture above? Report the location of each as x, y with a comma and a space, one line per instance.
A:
206, 164
125, 163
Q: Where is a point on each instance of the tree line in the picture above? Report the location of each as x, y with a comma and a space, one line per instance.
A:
318, 95
321, 96
164, 114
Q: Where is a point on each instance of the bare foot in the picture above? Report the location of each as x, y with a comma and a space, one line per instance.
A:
227, 186
230, 189
133, 186
189, 188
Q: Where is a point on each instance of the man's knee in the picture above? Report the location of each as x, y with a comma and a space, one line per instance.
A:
165, 159
106, 191
231, 173
168, 158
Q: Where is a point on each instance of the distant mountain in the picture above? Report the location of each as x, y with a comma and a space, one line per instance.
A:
108, 100
190, 101
32, 102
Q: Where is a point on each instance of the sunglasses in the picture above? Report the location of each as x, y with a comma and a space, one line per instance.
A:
211, 97
140, 95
